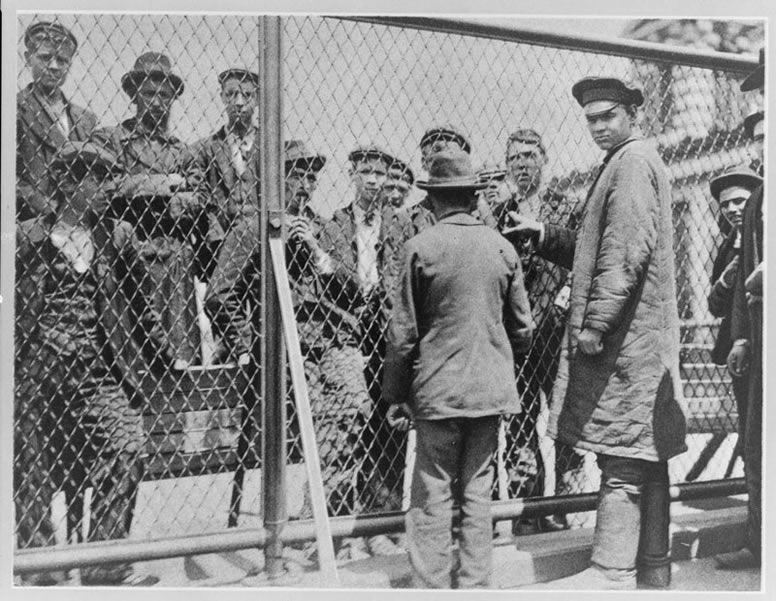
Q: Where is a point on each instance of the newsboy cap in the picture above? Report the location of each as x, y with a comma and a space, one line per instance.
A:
296, 152
404, 169
363, 153
238, 73
751, 121
756, 79
591, 89
734, 176
87, 154
491, 172
451, 169
148, 65
48, 31
526, 136
445, 132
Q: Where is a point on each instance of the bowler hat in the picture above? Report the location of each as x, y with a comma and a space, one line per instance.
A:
755, 79
751, 121
45, 30
404, 169
526, 136
296, 152
88, 154
591, 89
238, 73
451, 169
362, 153
148, 65
445, 132
734, 176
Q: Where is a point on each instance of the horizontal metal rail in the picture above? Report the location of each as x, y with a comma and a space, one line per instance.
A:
68, 557
650, 51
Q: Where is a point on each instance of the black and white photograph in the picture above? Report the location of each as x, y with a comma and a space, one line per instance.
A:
383, 301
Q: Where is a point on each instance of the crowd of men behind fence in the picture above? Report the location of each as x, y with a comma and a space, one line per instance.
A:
127, 237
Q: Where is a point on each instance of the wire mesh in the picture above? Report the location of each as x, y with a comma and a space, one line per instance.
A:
136, 384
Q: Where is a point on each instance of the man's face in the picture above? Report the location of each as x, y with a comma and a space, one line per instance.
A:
758, 137
240, 99
396, 189
435, 146
154, 100
608, 123
301, 182
732, 201
524, 164
368, 178
50, 63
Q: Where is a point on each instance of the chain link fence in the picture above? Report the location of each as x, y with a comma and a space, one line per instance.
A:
138, 387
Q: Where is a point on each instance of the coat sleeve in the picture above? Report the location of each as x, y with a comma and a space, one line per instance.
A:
341, 285
628, 235
402, 335
517, 312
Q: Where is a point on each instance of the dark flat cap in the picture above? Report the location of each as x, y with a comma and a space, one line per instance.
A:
591, 89
451, 169
238, 73
734, 176
445, 132
751, 121
490, 172
296, 152
526, 136
87, 154
149, 65
404, 169
45, 30
756, 79
362, 153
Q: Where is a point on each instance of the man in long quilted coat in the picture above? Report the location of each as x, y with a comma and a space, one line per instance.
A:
618, 391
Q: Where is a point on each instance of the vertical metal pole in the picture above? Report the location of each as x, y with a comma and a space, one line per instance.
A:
654, 559
273, 365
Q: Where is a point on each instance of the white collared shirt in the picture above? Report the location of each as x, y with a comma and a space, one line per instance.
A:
75, 243
240, 147
367, 241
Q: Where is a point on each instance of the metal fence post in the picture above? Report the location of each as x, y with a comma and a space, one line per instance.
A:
273, 365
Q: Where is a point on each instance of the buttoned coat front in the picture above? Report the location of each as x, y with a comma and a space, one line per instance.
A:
625, 401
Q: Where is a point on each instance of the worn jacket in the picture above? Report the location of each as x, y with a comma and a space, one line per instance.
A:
625, 401
38, 138
751, 256
721, 296
459, 311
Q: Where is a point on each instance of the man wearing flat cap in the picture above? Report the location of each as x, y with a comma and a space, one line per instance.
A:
618, 390
155, 194
461, 311
228, 163
745, 360
81, 298
397, 187
45, 119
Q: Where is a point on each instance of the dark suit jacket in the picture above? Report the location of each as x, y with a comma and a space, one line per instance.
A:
751, 256
38, 138
721, 298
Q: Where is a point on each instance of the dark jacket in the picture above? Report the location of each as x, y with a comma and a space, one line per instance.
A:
38, 138
460, 310
721, 296
751, 256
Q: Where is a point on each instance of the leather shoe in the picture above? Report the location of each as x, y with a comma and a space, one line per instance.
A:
743, 559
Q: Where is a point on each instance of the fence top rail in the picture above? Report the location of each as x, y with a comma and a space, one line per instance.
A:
634, 49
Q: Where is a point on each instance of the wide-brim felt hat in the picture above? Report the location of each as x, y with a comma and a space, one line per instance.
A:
88, 154
296, 152
371, 151
445, 132
147, 66
756, 79
404, 168
238, 73
591, 89
46, 30
734, 176
751, 120
451, 169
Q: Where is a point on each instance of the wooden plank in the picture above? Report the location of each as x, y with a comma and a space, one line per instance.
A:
217, 461
192, 441
197, 420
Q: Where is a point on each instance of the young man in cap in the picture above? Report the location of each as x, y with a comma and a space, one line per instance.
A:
461, 308
228, 162
618, 390
745, 360
155, 195
80, 301
45, 119
397, 187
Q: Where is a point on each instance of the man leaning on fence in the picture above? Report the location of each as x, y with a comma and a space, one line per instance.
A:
460, 305
45, 119
155, 195
745, 360
618, 391
80, 303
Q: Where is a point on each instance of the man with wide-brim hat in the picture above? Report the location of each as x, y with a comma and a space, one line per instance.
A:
150, 66
45, 118
616, 393
79, 398
461, 312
